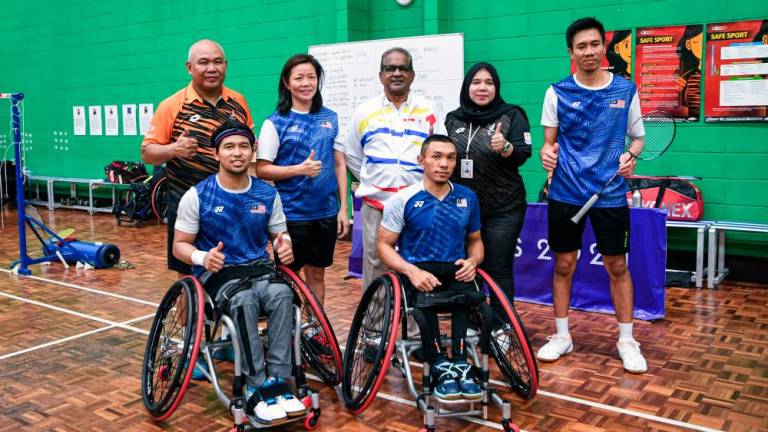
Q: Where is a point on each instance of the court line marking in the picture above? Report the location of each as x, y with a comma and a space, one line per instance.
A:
598, 405
572, 399
71, 312
70, 338
82, 288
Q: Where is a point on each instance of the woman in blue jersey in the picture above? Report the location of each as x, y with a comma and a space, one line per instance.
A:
493, 140
297, 151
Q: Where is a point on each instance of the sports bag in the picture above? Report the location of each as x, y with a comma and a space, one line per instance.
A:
681, 198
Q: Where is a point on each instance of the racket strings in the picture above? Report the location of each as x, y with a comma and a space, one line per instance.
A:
659, 133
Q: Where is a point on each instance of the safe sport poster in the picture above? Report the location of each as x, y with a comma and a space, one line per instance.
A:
668, 70
736, 68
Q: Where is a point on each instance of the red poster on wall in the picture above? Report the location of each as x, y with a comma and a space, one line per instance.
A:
737, 71
618, 53
668, 70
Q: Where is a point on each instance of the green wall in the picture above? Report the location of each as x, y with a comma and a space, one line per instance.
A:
91, 52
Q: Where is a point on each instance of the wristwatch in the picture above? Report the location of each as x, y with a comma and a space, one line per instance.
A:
507, 147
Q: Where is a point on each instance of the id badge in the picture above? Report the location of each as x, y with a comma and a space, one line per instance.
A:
466, 168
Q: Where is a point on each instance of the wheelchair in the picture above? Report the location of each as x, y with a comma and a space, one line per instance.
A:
185, 326
505, 339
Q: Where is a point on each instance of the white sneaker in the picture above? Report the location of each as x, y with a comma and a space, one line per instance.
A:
291, 405
630, 355
266, 411
557, 346
269, 412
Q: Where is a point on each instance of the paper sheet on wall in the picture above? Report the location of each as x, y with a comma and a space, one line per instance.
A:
94, 119
145, 117
352, 72
129, 119
78, 118
110, 120
748, 92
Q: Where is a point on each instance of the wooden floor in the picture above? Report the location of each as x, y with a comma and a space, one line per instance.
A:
71, 346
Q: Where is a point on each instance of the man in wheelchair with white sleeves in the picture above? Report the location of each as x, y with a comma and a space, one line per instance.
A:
222, 229
436, 226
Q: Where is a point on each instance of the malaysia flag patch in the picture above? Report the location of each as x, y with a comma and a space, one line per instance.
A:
327, 125
259, 209
617, 103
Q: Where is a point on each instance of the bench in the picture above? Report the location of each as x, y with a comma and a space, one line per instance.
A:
701, 227
716, 254
73, 182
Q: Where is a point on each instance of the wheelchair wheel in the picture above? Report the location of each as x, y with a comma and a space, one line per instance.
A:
510, 346
160, 199
172, 348
314, 322
370, 342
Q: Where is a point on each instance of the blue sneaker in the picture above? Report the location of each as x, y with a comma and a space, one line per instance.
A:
225, 354
446, 387
198, 374
470, 389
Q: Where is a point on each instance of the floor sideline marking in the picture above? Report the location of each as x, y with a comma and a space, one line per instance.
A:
82, 288
75, 313
70, 338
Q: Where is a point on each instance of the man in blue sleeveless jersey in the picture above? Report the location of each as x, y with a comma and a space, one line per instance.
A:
222, 229
436, 226
586, 118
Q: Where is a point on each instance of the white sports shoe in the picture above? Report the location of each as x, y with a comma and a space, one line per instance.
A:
266, 411
630, 355
292, 405
557, 346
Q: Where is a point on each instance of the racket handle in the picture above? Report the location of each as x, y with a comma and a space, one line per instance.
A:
584, 209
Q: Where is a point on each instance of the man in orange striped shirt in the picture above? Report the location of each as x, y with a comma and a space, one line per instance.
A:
182, 125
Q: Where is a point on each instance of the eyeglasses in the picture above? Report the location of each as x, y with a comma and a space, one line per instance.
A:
392, 68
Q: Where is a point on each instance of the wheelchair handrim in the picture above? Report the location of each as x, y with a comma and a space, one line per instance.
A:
159, 411
519, 333
318, 313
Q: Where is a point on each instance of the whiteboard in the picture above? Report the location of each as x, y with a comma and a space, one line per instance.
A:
352, 72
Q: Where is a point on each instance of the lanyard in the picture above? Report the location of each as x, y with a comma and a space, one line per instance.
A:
471, 136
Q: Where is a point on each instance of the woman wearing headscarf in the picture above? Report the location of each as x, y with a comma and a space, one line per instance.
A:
493, 140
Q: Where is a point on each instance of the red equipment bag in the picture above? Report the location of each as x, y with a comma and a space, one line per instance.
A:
125, 172
681, 198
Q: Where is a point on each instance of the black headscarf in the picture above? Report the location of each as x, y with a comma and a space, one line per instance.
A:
471, 112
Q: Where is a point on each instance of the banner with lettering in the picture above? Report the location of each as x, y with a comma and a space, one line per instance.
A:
668, 70
736, 68
618, 53
534, 263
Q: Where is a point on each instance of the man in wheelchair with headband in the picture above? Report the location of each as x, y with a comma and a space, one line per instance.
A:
435, 225
223, 226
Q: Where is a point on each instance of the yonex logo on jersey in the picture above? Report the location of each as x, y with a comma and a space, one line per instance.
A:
294, 128
218, 209
617, 103
259, 209
195, 118
460, 130
576, 104
418, 204
461, 202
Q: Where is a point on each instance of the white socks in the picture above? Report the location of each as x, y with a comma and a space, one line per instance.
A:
562, 327
625, 331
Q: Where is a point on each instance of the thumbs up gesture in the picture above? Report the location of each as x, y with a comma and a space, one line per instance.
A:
283, 248
185, 145
214, 259
497, 140
310, 167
